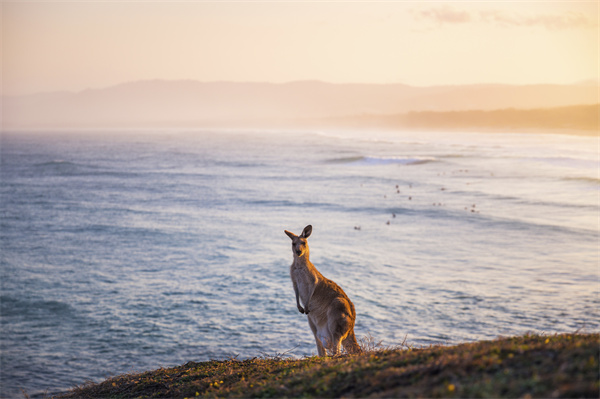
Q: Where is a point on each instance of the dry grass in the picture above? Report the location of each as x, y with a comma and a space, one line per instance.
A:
529, 366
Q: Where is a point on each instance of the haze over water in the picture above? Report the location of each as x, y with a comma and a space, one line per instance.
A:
126, 251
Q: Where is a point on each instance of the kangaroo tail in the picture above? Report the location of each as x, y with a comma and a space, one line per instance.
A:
350, 343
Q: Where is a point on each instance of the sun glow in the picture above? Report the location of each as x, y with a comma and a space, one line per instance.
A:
49, 46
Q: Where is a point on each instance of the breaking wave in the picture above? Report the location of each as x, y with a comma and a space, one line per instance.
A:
372, 160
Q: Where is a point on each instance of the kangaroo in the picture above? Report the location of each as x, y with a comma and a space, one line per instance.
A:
330, 312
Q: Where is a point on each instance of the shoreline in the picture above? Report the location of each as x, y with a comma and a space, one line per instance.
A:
283, 129
578, 120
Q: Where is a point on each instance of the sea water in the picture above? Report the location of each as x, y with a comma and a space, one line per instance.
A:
132, 250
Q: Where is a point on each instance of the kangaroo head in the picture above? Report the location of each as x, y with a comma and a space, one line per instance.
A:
299, 244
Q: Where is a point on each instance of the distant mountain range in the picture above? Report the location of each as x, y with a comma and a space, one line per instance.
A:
160, 103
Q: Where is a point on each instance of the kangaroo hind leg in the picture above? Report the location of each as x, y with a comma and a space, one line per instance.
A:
341, 325
338, 331
336, 344
350, 343
320, 348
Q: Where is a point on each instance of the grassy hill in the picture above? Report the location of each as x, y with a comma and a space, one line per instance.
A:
529, 366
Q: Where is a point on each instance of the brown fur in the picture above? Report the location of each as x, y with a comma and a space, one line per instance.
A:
330, 312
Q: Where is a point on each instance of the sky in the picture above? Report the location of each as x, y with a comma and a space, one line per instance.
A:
72, 46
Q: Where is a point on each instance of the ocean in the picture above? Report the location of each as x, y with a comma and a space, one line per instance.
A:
131, 250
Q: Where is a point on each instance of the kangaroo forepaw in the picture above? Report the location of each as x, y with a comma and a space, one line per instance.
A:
300, 309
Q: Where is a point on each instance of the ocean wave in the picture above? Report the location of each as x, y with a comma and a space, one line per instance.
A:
373, 160
56, 164
61, 167
14, 307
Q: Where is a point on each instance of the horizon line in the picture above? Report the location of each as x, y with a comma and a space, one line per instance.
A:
584, 82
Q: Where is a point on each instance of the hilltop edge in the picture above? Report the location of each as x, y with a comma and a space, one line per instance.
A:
564, 365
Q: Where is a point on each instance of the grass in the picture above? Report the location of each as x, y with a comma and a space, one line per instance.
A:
563, 365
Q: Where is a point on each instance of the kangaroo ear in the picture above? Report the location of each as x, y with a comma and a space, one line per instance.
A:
306, 232
290, 234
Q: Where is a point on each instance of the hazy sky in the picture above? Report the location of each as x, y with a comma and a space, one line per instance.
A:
49, 46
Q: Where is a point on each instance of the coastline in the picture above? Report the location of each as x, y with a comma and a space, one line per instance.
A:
577, 120
527, 366
245, 128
